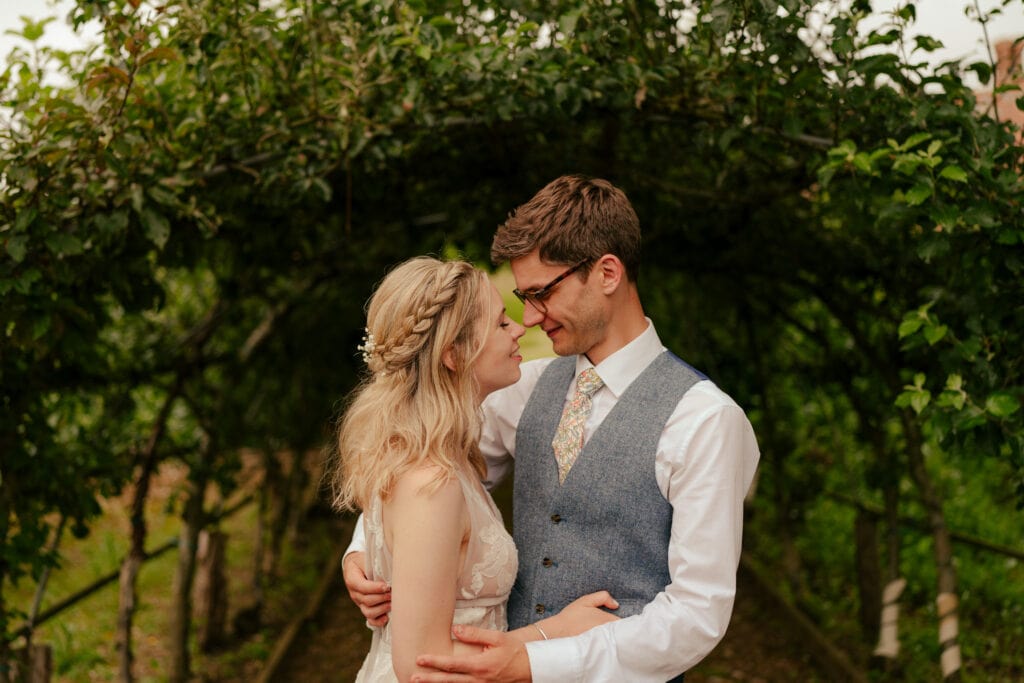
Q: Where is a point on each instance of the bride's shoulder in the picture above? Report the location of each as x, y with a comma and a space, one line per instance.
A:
426, 497
429, 480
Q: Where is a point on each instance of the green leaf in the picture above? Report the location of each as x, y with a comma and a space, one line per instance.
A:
110, 223
927, 43
909, 326
983, 70
954, 173
907, 12
1002, 404
934, 333
862, 163
567, 23
40, 327
887, 38
158, 54
952, 399
62, 244
915, 398
1008, 236
33, 30
934, 246
161, 196
17, 246
155, 226
23, 219
918, 194
915, 140
442, 21
27, 279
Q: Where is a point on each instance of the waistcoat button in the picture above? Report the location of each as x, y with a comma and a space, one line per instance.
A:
547, 562
556, 518
539, 609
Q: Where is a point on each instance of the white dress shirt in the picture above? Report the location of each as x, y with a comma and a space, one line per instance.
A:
704, 465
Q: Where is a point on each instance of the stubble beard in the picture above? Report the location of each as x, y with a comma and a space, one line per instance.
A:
586, 332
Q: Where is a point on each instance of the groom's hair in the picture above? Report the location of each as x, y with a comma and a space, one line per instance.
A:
573, 218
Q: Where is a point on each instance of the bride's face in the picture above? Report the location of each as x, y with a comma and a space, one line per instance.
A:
497, 364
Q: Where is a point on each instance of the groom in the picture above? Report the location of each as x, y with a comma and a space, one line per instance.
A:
630, 466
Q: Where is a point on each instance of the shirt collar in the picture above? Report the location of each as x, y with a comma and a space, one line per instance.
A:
622, 367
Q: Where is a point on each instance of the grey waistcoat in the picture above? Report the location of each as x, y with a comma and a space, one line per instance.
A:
607, 527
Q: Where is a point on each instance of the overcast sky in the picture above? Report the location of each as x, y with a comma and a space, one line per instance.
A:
942, 19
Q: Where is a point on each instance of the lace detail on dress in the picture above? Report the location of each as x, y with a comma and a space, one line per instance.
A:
496, 549
484, 582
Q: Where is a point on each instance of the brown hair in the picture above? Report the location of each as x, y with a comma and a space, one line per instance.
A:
573, 218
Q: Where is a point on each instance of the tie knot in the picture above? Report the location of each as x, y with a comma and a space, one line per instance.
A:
588, 382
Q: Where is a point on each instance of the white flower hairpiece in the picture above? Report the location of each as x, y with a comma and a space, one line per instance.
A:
368, 346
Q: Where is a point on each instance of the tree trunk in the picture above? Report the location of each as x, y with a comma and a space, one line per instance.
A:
888, 648
279, 483
126, 607
40, 663
5, 516
869, 580
31, 664
181, 616
946, 601
776, 449
300, 502
136, 554
247, 619
41, 658
211, 589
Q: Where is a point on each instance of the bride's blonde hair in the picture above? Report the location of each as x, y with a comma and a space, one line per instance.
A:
411, 409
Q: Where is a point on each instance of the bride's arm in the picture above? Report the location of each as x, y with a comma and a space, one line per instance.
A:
582, 614
426, 535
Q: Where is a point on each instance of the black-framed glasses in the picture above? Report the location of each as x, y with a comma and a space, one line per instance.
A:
537, 296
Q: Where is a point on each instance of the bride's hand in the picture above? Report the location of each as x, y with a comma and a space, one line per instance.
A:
580, 615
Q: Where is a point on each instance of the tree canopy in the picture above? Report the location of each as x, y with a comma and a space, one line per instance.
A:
190, 227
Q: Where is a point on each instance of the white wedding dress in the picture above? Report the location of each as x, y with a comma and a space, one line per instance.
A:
484, 581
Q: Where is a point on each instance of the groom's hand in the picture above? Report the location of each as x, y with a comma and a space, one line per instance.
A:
504, 659
372, 597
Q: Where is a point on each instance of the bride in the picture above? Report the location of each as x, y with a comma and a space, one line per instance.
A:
438, 341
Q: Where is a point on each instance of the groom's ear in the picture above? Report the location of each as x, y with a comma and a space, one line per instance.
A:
611, 272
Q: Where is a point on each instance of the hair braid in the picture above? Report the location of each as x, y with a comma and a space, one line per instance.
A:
412, 334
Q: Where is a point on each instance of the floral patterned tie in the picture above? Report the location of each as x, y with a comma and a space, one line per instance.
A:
568, 441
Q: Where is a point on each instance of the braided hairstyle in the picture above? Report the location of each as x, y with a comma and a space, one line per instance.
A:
411, 408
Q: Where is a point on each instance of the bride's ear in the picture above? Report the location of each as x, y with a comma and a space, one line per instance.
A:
448, 358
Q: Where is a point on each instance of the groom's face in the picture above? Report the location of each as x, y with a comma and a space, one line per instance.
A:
572, 317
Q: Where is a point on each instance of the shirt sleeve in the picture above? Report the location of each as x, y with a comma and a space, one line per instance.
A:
358, 542
712, 455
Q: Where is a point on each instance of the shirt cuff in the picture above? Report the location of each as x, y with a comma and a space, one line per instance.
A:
558, 660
